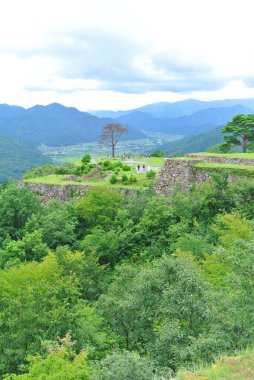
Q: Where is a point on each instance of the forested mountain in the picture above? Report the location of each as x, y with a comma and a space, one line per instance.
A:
55, 125
192, 144
181, 108
193, 124
17, 157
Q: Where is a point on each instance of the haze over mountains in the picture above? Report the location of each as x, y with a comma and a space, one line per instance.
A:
23, 130
54, 125
57, 125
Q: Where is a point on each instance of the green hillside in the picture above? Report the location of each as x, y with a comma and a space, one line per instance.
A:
193, 144
17, 157
227, 368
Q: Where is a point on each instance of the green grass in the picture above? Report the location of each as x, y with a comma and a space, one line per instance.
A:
142, 181
223, 166
99, 181
151, 161
239, 367
237, 155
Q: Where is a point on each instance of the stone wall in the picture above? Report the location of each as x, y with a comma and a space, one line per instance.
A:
184, 173
175, 172
222, 160
62, 193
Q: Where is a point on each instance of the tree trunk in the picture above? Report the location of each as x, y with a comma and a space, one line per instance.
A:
244, 144
113, 145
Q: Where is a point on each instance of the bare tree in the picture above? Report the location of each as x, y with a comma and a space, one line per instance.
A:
111, 134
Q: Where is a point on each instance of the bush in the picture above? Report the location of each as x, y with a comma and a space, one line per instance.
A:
132, 179
126, 168
157, 153
151, 174
124, 178
113, 179
86, 158
106, 163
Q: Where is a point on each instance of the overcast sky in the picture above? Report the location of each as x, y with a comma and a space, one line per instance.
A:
120, 54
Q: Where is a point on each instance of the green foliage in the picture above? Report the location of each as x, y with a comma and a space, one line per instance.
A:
89, 275
157, 153
86, 159
171, 293
239, 131
145, 284
124, 179
126, 168
113, 179
27, 291
99, 207
57, 225
151, 174
130, 366
18, 157
132, 179
29, 248
17, 205
51, 169
61, 362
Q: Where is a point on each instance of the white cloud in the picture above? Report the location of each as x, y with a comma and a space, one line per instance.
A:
120, 54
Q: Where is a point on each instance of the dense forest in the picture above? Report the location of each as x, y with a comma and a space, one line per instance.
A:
17, 157
113, 286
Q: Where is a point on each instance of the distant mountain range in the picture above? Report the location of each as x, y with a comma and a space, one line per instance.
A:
54, 125
57, 125
193, 124
181, 108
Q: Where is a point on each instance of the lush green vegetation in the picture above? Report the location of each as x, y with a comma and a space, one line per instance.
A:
238, 367
17, 158
238, 155
191, 144
105, 173
126, 287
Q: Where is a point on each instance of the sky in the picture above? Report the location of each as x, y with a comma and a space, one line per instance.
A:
122, 54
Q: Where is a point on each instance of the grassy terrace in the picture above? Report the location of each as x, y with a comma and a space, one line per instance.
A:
102, 178
237, 155
53, 179
212, 165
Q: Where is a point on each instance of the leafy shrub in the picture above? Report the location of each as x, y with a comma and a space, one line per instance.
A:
157, 153
86, 158
132, 179
113, 179
151, 174
106, 163
126, 168
124, 178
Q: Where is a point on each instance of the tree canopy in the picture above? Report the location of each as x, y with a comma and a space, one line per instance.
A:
111, 134
239, 131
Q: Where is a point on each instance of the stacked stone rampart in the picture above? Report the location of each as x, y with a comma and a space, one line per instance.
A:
184, 173
62, 193
222, 159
